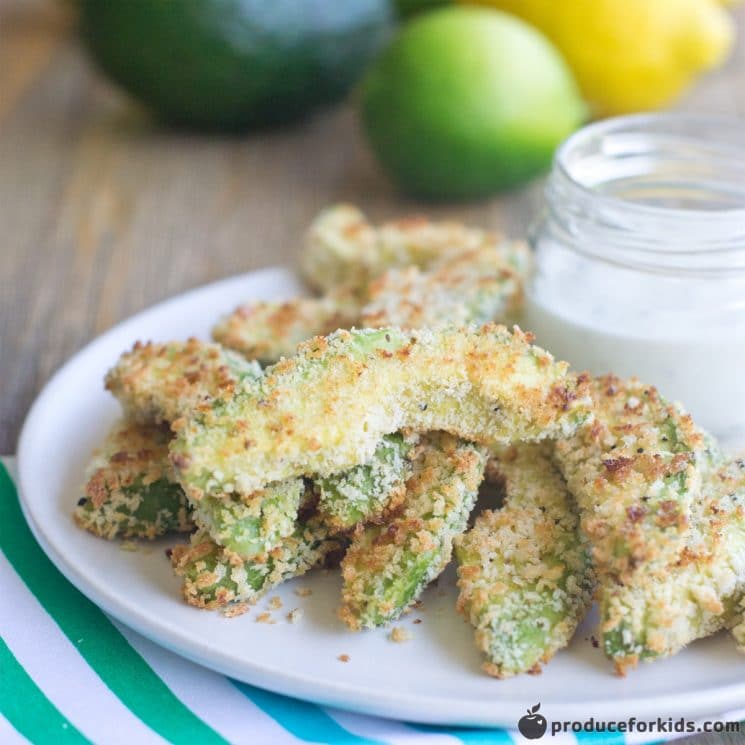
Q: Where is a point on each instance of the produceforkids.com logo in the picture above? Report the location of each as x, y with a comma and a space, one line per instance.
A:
533, 725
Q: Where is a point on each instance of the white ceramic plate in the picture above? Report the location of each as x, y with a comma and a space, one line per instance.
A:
434, 677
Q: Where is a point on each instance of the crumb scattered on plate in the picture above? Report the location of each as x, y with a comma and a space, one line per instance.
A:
238, 609
265, 618
399, 634
128, 546
303, 592
275, 603
343, 658
295, 615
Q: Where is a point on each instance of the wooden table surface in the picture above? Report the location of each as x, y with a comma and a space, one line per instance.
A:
103, 213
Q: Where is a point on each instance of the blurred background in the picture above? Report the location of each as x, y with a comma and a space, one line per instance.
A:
147, 147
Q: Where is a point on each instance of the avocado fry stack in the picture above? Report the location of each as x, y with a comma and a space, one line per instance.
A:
370, 444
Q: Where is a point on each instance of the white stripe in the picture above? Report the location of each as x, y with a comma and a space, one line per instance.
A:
57, 667
211, 696
9, 735
387, 730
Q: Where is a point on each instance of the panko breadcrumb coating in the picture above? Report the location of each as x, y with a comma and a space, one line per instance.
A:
343, 248
326, 409
473, 287
693, 596
636, 473
524, 575
131, 490
366, 492
266, 331
158, 383
387, 566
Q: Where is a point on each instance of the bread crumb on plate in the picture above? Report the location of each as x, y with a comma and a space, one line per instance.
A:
399, 634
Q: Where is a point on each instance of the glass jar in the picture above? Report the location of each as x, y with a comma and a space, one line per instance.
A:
640, 260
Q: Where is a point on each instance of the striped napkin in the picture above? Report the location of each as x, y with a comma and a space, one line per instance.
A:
70, 674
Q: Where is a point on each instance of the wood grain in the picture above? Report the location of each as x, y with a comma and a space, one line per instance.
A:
103, 213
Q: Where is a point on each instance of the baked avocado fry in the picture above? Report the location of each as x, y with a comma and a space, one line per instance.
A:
636, 473
524, 574
214, 577
343, 248
267, 330
157, 383
131, 490
387, 566
694, 596
473, 287
366, 492
325, 410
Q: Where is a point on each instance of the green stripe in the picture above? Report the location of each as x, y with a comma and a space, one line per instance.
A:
24, 705
100, 643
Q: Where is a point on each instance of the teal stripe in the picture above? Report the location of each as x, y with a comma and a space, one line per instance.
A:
100, 643
305, 721
468, 735
601, 738
26, 707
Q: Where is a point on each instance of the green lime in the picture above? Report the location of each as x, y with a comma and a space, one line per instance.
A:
234, 63
466, 101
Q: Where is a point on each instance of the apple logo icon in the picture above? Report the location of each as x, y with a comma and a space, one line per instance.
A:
532, 725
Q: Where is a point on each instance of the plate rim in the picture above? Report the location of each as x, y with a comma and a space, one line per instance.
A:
444, 710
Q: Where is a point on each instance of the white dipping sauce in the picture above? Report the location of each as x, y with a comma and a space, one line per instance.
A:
686, 337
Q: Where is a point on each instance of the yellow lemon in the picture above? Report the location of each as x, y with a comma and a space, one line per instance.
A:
631, 55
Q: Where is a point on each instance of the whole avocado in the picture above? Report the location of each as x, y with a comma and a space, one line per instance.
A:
234, 64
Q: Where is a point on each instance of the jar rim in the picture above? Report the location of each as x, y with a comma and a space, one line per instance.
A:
673, 124
657, 192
